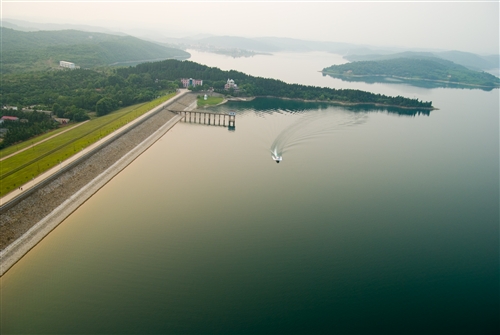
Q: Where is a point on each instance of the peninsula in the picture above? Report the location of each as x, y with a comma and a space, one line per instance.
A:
250, 86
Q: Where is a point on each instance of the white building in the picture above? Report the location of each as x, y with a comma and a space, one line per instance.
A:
14, 108
187, 82
230, 84
67, 65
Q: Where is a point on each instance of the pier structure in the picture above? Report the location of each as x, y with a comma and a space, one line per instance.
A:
211, 119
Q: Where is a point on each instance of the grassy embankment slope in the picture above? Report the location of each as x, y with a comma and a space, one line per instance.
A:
430, 69
42, 50
21, 168
211, 101
22, 145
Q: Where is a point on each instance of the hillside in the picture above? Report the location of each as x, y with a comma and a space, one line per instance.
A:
23, 25
424, 68
467, 59
41, 50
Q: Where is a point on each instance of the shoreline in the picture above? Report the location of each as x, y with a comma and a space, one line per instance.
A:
333, 102
224, 100
407, 78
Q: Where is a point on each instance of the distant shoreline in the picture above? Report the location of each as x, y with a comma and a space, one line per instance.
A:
405, 78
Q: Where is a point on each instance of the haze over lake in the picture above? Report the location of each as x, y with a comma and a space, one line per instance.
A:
376, 221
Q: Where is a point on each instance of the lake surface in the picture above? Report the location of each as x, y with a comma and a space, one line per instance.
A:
375, 222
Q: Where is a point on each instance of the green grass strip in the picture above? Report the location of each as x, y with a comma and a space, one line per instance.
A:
33, 141
211, 101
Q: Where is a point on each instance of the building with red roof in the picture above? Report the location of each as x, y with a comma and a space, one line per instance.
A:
10, 118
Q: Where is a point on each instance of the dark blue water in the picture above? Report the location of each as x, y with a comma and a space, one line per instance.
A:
376, 222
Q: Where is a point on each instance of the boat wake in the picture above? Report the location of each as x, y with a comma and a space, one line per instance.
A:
310, 126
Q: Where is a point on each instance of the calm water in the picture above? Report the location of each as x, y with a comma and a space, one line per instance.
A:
374, 223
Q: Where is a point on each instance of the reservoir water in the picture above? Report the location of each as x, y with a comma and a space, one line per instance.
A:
376, 222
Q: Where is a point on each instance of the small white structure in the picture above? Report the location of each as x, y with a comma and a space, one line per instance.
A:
14, 108
205, 97
230, 84
67, 65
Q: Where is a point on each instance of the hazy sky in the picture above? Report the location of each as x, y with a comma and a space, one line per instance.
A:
450, 25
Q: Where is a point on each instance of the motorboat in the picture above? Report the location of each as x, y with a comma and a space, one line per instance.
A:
277, 158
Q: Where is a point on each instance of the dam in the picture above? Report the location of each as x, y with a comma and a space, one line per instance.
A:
27, 216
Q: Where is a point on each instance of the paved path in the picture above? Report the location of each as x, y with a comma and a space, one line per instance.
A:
37, 143
191, 106
55, 169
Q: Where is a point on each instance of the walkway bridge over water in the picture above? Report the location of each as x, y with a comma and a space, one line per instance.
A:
210, 119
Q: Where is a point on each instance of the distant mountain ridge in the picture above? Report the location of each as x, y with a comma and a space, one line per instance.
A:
351, 52
270, 44
39, 50
22, 25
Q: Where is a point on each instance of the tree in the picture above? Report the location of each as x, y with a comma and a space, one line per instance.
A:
104, 106
58, 110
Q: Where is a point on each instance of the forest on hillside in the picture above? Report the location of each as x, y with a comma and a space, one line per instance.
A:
258, 86
29, 124
72, 94
42, 50
71, 91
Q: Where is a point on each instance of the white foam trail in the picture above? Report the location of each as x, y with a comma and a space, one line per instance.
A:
312, 126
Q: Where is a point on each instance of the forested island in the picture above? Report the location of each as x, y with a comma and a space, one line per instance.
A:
410, 69
469, 60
